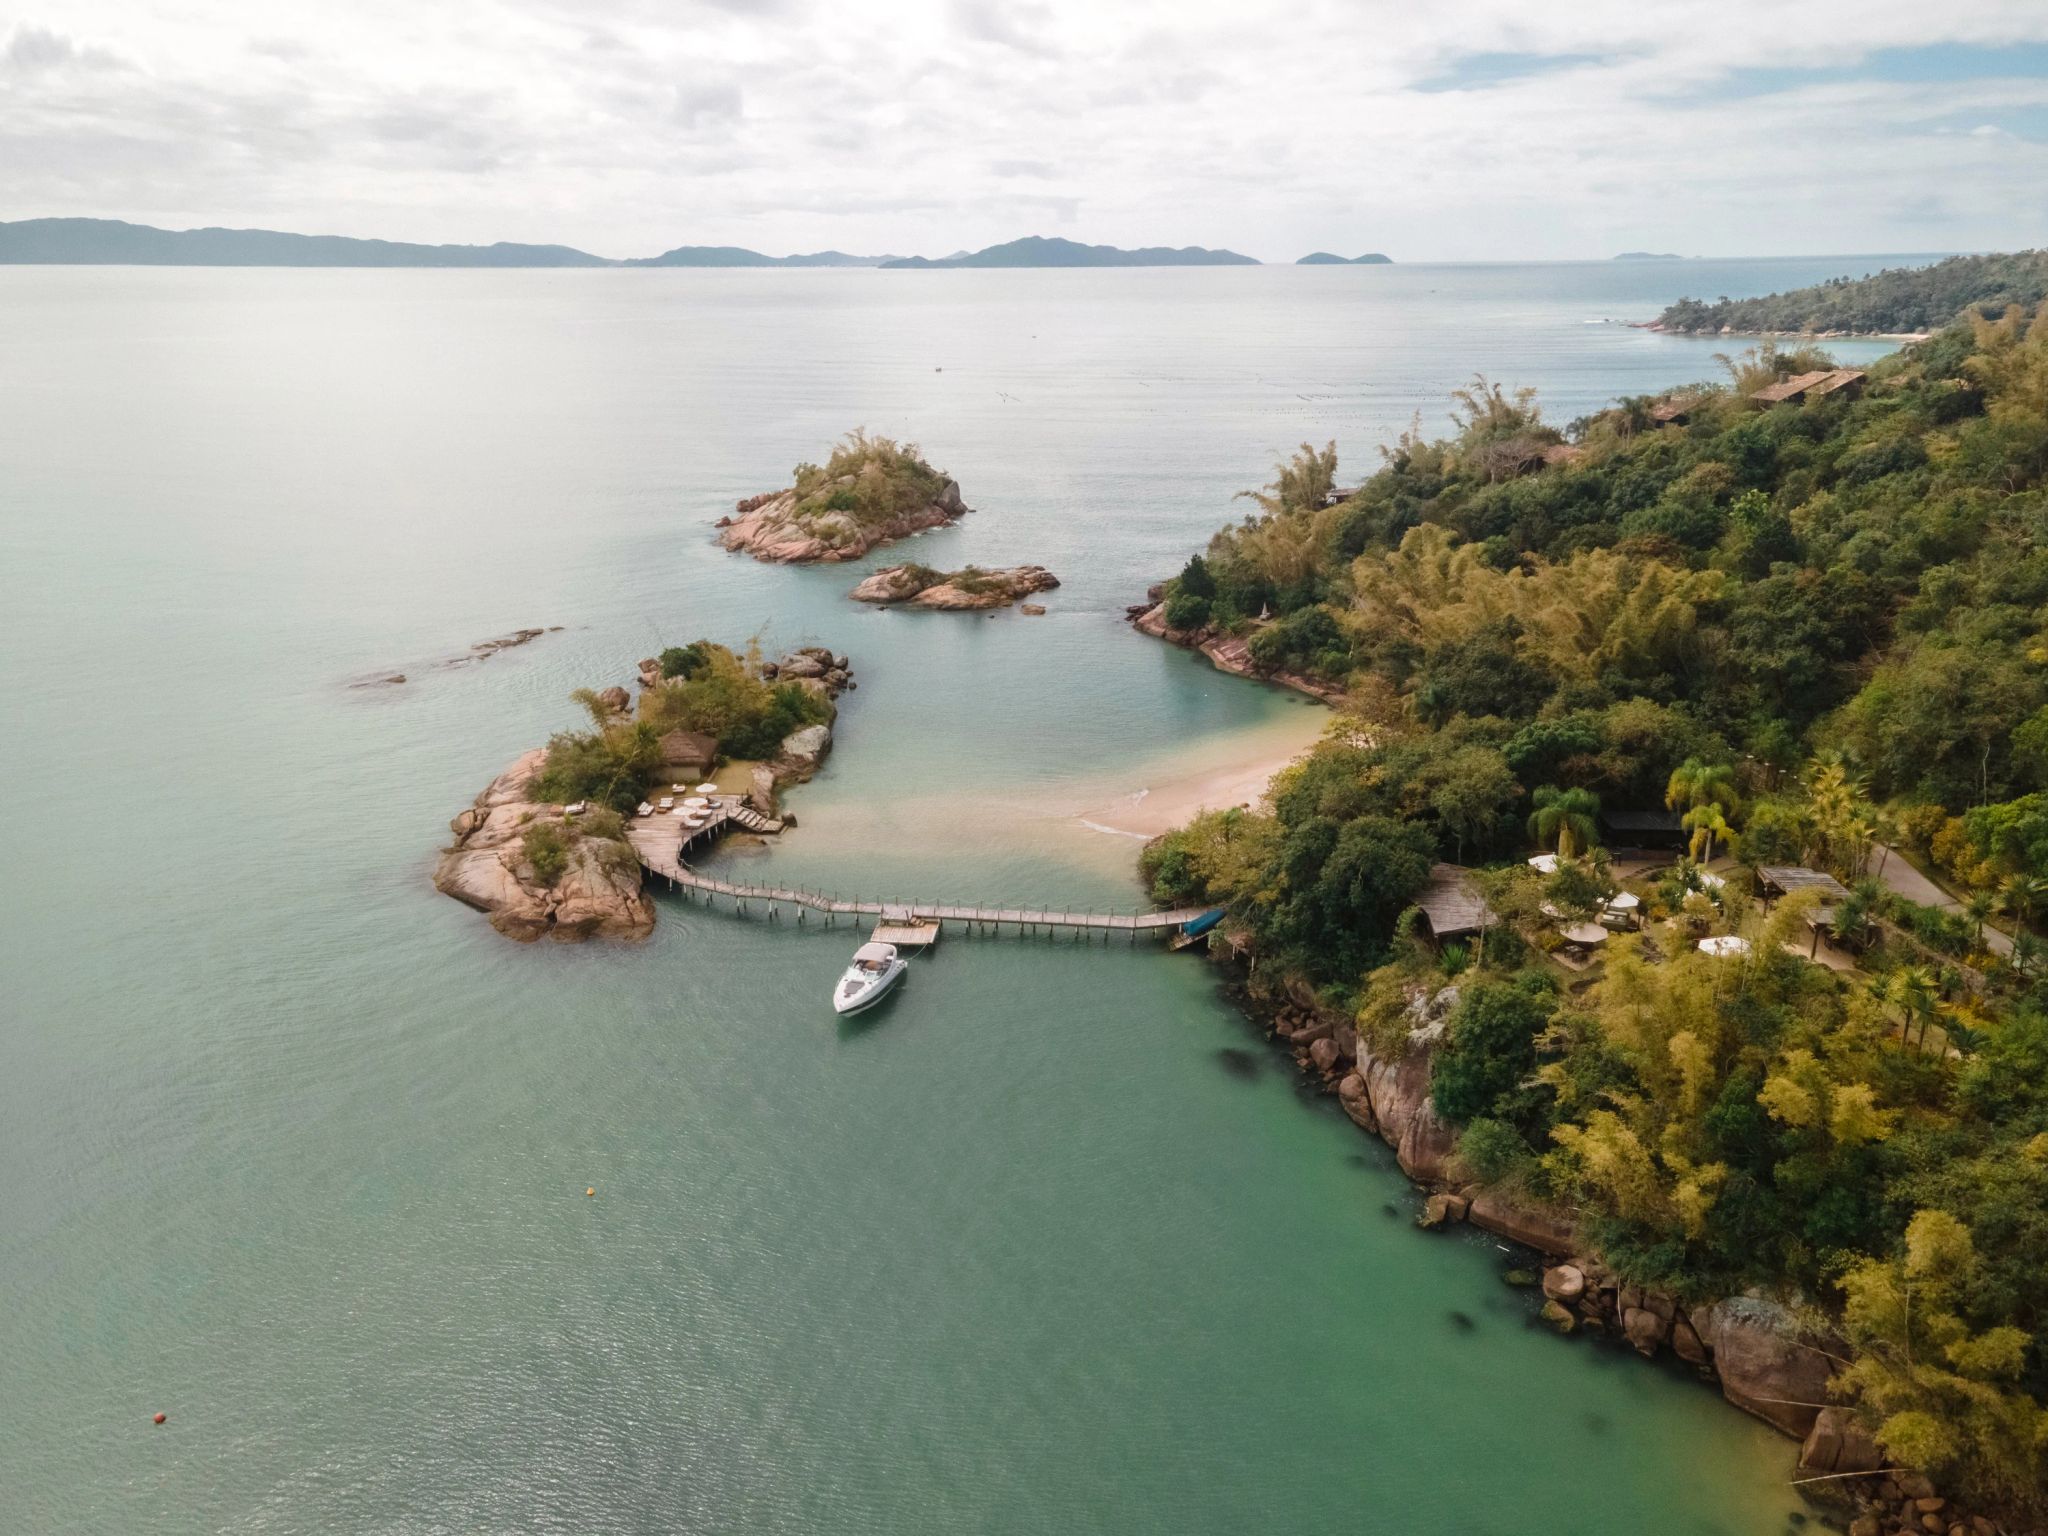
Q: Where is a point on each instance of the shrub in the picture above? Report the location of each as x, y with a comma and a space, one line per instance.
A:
546, 847
1184, 610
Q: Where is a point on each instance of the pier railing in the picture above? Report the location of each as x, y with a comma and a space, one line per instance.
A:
661, 852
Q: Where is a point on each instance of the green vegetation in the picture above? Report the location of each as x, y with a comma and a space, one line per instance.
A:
547, 849
1817, 632
867, 482
1896, 300
709, 690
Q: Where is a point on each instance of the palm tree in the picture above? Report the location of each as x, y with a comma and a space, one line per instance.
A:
1706, 823
1706, 793
1916, 993
1978, 909
1566, 816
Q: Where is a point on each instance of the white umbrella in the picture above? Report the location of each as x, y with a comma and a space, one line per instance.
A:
707, 789
1725, 945
1627, 901
1544, 863
1585, 933
696, 802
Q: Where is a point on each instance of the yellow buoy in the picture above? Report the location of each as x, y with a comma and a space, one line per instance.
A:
591, 1191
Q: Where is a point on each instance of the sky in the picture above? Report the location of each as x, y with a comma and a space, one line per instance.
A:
1464, 130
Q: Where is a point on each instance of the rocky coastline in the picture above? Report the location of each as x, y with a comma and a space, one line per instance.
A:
769, 526
1760, 1355
598, 892
971, 588
1226, 652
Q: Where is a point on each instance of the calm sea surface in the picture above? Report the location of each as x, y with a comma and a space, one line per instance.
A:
294, 1149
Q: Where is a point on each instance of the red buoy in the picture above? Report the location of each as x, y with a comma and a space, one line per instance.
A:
161, 1417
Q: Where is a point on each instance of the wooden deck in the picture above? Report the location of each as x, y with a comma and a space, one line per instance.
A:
664, 844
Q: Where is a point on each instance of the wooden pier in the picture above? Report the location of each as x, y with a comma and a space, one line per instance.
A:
663, 850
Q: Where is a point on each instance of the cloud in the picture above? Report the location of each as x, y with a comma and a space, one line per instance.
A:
1717, 126
707, 102
31, 49
1008, 23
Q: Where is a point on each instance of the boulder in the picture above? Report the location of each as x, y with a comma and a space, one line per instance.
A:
1522, 1221
804, 666
598, 894
1559, 1317
1838, 1443
1323, 1053
1644, 1329
1564, 1282
1033, 609
761, 792
1764, 1367
616, 699
1352, 1097
804, 749
1398, 1091
1442, 1210
1685, 1342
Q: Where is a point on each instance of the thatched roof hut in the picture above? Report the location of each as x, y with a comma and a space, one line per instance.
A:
688, 749
1451, 904
1811, 386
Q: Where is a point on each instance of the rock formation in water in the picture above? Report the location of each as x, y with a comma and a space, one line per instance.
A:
597, 894
841, 516
919, 586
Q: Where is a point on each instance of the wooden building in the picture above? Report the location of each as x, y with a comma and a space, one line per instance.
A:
1847, 382
1451, 904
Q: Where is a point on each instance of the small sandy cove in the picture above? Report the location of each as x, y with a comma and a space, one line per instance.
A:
1236, 774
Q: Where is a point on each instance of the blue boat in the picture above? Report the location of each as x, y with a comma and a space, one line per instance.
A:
1194, 928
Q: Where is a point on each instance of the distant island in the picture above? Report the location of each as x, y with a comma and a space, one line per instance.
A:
1649, 256
111, 242
1897, 301
740, 256
1039, 251
1325, 259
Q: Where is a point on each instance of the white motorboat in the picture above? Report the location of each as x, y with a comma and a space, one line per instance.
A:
875, 969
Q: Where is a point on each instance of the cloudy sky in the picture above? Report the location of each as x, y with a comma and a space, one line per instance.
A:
1469, 129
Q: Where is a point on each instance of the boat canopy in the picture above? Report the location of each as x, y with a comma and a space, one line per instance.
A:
875, 952
1194, 928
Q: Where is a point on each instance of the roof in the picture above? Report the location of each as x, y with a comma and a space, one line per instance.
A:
1562, 453
1644, 821
1823, 381
1667, 411
1451, 903
1839, 379
1787, 878
681, 746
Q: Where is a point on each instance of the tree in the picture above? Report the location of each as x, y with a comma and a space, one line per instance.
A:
1566, 817
1940, 1393
1472, 797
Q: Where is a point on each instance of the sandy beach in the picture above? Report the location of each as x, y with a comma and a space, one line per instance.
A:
1240, 778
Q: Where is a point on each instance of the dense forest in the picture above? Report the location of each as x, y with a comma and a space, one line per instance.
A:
1820, 632
1895, 301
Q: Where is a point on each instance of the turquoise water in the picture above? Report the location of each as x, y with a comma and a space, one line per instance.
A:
295, 1149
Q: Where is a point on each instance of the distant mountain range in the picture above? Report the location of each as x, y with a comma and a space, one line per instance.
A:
1038, 251
1325, 259
1649, 256
112, 242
